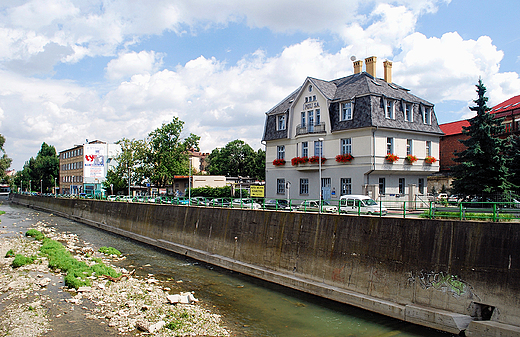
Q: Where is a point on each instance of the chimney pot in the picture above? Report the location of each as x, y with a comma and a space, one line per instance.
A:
388, 71
358, 66
370, 64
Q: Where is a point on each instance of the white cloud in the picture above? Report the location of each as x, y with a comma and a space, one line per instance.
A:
132, 63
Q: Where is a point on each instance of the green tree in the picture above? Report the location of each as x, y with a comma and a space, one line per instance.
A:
483, 167
5, 161
119, 184
131, 164
168, 152
237, 159
514, 168
40, 171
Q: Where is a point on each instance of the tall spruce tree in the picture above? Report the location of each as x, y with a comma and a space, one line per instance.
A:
483, 165
514, 168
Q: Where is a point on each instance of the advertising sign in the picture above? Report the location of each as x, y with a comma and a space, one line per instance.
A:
94, 161
257, 191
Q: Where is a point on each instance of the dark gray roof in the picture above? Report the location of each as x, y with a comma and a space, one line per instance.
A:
354, 87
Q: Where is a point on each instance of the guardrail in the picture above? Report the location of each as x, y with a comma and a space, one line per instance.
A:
494, 211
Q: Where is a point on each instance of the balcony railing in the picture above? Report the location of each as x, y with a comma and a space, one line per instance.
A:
306, 129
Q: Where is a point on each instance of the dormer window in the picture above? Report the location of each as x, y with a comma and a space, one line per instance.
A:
281, 122
346, 111
310, 88
427, 115
408, 112
389, 109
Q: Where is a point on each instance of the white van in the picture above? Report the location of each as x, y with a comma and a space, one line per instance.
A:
360, 204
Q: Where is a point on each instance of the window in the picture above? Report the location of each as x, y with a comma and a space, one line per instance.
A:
401, 185
346, 146
428, 148
280, 152
427, 116
304, 186
382, 186
389, 111
281, 122
409, 148
306, 99
389, 145
310, 115
346, 186
318, 148
305, 149
408, 112
314, 98
280, 186
421, 185
310, 88
346, 111
303, 119
318, 116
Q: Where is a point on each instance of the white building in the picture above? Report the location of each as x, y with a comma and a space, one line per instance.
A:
358, 115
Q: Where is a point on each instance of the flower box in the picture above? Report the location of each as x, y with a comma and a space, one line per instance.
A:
299, 160
279, 162
316, 159
391, 157
430, 160
344, 158
411, 158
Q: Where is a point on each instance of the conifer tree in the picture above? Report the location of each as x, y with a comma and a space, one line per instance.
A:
483, 165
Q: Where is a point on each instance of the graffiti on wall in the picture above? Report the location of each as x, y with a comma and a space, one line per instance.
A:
443, 282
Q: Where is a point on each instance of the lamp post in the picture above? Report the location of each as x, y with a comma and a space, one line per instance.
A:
30, 189
72, 185
55, 187
319, 160
189, 183
41, 186
21, 185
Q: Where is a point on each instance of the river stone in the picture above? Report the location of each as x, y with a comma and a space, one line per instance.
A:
174, 299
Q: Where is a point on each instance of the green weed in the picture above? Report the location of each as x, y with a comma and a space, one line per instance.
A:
109, 251
35, 234
10, 253
20, 260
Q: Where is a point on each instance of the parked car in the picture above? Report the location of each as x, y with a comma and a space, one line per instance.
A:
314, 206
112, 198
180, 201
199, 201
246, 203
360, 204
441, 196
127, 198
220, 202
281, 204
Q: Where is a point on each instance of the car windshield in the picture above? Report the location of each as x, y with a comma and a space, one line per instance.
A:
369, 202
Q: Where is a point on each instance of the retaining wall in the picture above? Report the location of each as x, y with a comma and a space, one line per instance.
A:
441, 274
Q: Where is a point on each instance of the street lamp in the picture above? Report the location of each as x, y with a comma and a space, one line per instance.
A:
55, 187
41, 186
30, 189
320, 154
189, 183
72, 185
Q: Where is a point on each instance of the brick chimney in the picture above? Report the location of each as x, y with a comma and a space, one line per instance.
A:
388, 71
370, 65
358, 66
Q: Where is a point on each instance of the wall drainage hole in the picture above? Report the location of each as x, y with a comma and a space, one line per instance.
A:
482, 312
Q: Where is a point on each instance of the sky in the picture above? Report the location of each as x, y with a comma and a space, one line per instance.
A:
78, 70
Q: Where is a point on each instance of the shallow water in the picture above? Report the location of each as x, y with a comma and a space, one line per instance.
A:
250, 307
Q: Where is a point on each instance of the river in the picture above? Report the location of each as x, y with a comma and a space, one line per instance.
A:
250, 307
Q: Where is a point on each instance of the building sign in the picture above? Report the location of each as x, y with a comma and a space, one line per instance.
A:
94, 160
257, 191
307, 106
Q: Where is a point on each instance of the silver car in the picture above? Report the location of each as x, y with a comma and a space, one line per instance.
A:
314, 206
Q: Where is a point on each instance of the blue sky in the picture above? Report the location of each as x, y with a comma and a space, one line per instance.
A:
99, 69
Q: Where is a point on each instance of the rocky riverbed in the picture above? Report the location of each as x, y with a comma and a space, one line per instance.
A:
33, 298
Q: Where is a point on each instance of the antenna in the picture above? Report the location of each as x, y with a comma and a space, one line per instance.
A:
352, 58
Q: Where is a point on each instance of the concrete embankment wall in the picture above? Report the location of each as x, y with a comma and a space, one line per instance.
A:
443, 274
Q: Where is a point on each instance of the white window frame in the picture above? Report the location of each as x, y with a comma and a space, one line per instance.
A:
305, 149
389, 109
346, 146
318, 117
280, 186
303, 119
304, 186
345, 186
281, 122
408, 112
346, 111
402, 186
318, 146
280, 152
426, 115
382, 186
428, 148
389, 145
409, 147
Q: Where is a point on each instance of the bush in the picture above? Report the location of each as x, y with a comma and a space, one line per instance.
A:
35, 234
211, 192
20, 260
10, 253
109, 251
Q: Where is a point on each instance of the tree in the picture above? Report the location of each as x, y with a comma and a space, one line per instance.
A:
237, 159
40, 171
5, 161
130, 164
514, 168
483, 167
119, 184
168, 152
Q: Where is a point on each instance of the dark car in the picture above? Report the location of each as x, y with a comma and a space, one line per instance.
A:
281, 204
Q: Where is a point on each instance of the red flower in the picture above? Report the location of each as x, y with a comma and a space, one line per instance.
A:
344, 158
299, 160
391, 157
430, 160
316, 159
411, 158
278, 162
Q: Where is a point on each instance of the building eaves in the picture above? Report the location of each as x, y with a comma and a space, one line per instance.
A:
327, 88
285, 104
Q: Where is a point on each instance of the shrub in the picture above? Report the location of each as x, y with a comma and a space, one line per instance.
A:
35, 234
10, 253
109, 251
20, 260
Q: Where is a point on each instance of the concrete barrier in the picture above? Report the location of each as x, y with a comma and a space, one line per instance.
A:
440, 274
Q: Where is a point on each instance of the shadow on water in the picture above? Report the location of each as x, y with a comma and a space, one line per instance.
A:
249, 306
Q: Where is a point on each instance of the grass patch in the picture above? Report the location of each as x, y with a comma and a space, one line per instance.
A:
10, 253
174, 325
77, 271
35, 234
468, 216
109, 251
21, 260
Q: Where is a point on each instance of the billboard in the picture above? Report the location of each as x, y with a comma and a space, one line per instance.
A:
257, 191
94, 160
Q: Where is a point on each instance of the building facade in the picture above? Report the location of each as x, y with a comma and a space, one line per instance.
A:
83, 168
362, 127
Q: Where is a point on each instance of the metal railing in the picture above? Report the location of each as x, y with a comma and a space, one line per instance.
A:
306, 129
487, 211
